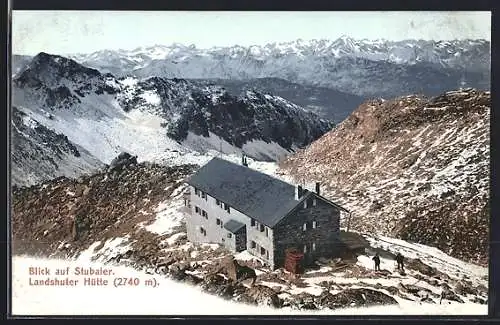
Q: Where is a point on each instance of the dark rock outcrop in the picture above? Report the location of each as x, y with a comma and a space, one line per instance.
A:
355, 298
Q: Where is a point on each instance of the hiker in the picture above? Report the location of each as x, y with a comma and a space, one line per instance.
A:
400, 259
376, 259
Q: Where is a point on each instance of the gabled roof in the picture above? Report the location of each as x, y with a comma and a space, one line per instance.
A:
257, 195
233, 226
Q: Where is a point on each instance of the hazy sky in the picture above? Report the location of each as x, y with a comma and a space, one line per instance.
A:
63, 32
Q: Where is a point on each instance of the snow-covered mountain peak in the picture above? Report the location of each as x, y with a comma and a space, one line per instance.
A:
54, 69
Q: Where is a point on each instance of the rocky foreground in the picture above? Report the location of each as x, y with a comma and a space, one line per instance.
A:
130, 214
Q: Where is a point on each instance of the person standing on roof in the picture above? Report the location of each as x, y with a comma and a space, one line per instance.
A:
376, 259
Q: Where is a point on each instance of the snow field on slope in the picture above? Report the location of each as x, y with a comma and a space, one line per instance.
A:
168, 213
429, 255
257, 148
136, 132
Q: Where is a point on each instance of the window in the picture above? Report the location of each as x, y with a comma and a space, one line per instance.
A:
314, 202
218, 221
262, 251
305, 204
204, 195
314, 225
226, 207
197, 210
304, 227
253, 244
203, 231
305, 248
252, 223
217, 202
267, 232
262, 228
229, 235
197, 192
204, 214
314, 247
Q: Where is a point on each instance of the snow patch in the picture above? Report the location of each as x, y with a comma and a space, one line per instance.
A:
168, 216
151, 97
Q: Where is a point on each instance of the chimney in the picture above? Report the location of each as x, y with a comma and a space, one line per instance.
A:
317, 188
298, 192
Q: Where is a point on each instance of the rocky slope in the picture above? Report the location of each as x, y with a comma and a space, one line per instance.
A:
71, 214
326, 102
157, 117
345, 64
413, 167
39, 154
130, 213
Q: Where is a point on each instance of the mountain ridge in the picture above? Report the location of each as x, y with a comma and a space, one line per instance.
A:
344, 64
157, 116
413, 167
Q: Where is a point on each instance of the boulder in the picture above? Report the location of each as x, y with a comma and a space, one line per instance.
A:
236, 271
355, 298
216, 284
123, 159
303, 301
417, 264
478, 300
176, 272
415, 290
264, 296
427, 300
448, 294
465, 287
482, 290
192, 279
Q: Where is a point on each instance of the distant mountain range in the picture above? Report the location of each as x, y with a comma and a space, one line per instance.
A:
329, 77
361, 67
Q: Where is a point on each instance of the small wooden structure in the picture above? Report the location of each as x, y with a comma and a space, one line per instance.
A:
351, 245
293, 261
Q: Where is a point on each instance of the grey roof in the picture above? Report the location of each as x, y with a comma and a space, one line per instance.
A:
233, 225
257, 195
